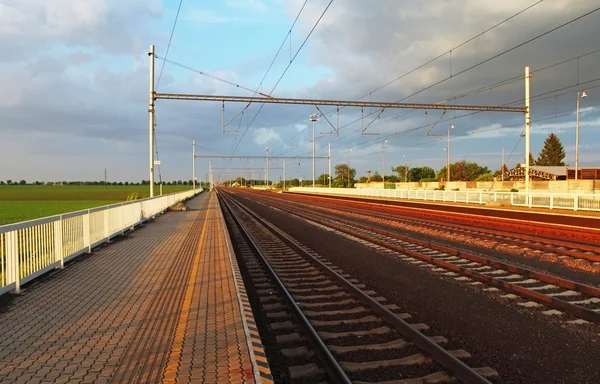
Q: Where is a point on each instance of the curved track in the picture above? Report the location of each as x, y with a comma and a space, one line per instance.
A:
329, 325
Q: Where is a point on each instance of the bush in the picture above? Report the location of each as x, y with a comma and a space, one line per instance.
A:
442, 188
514, 190
485, 177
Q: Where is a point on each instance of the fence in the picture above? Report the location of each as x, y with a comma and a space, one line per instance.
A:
587, 202
31, 248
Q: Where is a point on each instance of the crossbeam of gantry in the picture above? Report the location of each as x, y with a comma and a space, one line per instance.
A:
336, 103
258, 157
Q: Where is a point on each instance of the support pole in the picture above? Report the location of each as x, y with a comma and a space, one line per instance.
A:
313, 155
194, 165
329, 155
527, 128
210, 181
502, 166
151, 120
284, 175
577, 139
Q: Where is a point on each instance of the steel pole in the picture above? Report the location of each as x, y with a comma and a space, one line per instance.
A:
284, 175
313, 155
448, 159
527, 129
577, 138
151, 120
329, 154
193, 164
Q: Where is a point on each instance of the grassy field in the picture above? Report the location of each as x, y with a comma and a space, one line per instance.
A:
27, 202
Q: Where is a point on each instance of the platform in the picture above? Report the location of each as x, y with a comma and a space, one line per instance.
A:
163, 304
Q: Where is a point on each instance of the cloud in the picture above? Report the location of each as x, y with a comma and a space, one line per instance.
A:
250, 5
264, 135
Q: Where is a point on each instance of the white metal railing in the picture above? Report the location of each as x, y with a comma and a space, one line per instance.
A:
581, 202
31, 248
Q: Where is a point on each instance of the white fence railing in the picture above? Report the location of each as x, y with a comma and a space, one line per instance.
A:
31, 248
587, 202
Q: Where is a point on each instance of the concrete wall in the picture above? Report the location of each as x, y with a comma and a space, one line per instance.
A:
553, 186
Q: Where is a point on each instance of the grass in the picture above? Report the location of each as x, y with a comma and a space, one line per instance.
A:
28, 202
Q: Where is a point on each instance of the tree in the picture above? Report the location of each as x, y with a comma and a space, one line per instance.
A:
463, 171
363, 179
402, 172
532, 160
553, 153
342, 172
323, 179
22, 182
391, 178
294, 183
420, 173
376, 177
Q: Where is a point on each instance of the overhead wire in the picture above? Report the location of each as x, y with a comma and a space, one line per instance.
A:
282, 75
169, 44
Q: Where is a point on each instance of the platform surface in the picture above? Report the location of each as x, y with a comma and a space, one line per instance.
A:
165, 303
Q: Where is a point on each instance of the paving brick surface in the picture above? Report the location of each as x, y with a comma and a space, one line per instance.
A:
157, 306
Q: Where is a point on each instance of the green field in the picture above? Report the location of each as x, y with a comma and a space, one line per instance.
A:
28, 202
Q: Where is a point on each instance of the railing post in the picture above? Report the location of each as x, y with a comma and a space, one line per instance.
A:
576, 203
455, 196
106, 226
551, 201
12, 260
58, 245
87, 235
480, 197
122, 218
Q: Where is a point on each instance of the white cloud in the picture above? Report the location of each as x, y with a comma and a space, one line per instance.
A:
264, 135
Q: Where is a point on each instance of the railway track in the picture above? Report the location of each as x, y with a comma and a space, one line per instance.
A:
579, 300
516, 236
328, 326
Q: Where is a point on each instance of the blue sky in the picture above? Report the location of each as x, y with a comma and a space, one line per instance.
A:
75, 76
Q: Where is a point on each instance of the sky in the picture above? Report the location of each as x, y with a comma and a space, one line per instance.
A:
75, 78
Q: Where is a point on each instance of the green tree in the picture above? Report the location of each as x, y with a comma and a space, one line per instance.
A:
532, 161
22, 182
391, 178
376, 177
420, 173
294, 183
323, 179
362, 179
342, 172
463, 171
402, 172
553, 153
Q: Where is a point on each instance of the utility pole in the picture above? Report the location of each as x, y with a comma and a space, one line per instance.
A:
251, 173
151, 120
193, 164
329, 155
210, 182
267, 172
313, 118
104, 178
527, 128
502, 167
349, 150
383, 162
284, 175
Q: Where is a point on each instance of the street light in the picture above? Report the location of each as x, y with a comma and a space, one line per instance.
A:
267, 181
313, 117
383, 162
349, 150
405, 169
448, 153
580, 95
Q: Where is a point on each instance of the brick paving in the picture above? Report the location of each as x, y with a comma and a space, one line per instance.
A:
157, 306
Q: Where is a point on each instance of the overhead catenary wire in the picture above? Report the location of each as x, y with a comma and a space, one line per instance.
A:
282, 75
169, 44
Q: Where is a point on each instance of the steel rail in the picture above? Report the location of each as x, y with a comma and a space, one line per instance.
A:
462, 371
552, 302
435, 220
332, 366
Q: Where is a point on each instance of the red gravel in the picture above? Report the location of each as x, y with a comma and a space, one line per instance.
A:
523, 348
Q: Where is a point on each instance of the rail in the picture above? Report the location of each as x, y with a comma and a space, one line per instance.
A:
31, 248
580, 202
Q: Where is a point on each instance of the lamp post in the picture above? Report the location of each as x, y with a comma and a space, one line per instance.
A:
193, 164
313, 117
349, 150
267, 181
448, 153
405, 169
580, 95
383, 162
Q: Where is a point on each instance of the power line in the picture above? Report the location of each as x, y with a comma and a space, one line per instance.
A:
169, 45
502, 53
449, 51
283, 74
